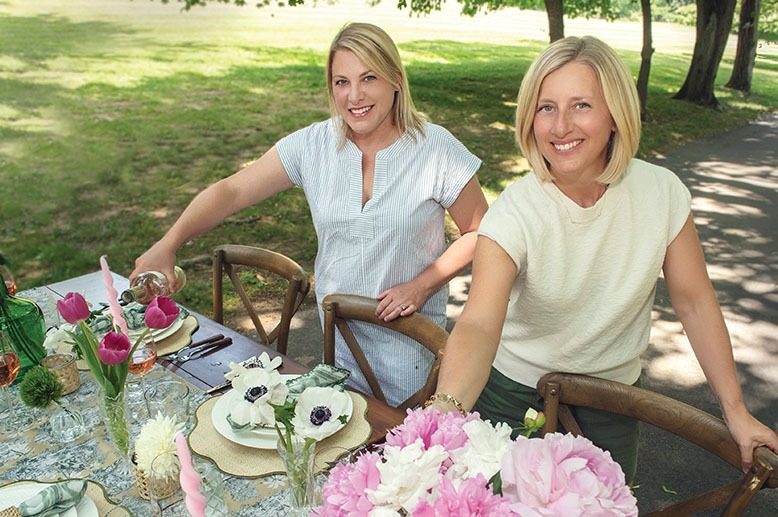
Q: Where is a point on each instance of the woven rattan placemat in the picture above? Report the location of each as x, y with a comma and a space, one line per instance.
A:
239, 460
180, 338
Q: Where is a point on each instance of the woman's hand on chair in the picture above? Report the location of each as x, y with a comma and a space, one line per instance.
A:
401, 300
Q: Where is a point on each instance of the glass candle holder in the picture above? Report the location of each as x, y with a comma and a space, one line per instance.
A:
65, 369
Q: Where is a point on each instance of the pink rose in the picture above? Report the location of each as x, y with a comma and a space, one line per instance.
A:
114, 348
73, 308
561, 475
161, 312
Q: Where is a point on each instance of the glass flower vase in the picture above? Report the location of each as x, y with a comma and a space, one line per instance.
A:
298, 455
115, 418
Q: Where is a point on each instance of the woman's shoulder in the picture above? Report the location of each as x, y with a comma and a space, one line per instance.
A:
321, 130
524, 195
651, 181
436, 131
641, 171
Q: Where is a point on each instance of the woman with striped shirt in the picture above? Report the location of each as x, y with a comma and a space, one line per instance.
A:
378, 179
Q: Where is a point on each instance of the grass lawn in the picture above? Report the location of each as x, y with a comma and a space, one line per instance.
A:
113, 114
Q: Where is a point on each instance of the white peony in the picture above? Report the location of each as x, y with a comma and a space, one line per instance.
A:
320, 412
483, 452
155, 439
408, 474
58, 340
254, 391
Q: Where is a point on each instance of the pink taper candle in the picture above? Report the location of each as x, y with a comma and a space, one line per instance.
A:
190, 479
113, 296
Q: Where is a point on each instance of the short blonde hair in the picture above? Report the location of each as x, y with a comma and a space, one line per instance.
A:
373, 46
619, 91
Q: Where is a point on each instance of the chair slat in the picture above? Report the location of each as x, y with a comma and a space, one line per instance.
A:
339, 308
229, 255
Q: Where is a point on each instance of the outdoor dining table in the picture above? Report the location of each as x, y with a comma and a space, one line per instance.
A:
34, 455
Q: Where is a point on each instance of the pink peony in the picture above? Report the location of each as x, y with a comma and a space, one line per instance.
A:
73, 308
345, 495
114, 348
161, 313
562, 475
433, 427
473, 499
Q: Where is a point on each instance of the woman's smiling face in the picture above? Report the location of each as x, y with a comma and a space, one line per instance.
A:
572, 123
363, 99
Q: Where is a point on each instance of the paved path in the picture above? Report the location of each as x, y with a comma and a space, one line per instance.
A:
734, 182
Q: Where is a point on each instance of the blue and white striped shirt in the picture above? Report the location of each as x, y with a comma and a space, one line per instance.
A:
396, 236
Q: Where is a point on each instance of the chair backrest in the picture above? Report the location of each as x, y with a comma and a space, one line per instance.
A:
683, 420
338, 308
229, 255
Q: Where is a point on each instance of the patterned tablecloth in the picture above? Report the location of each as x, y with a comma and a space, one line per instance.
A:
33, 454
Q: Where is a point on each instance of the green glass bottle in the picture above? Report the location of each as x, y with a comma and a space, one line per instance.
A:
21, 320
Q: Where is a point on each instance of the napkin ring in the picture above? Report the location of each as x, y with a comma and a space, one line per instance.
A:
10, 512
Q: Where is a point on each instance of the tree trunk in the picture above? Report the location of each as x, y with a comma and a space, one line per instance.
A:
645, 58
745, 55
714, 19
556, 22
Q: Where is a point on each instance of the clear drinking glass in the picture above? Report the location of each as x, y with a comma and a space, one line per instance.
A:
164, 487
212, 488
142, 360
169, 397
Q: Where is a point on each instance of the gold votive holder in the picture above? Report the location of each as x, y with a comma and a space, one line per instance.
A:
64, 367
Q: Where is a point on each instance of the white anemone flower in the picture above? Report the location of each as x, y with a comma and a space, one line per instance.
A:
408, 474
262, 361
256, 389
483, 452
320, 412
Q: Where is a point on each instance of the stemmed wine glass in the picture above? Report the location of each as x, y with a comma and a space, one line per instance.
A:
9, 369
142, 361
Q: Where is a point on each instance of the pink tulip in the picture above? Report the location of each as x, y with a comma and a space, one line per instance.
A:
114, 348
161, 312
73, 308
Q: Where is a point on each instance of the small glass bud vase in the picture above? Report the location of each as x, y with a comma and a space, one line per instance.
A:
298, 457
67, 424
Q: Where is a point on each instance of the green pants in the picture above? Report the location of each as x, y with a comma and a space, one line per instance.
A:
504, 400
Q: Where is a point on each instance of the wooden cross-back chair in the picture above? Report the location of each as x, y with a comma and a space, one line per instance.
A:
229, 255
339, 308
683, 420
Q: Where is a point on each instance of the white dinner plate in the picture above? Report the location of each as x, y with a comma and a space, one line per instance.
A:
159, 334
260, 438
16, 494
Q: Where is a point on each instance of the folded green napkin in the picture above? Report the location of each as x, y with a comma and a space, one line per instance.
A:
322, 376
54, 499
133, 315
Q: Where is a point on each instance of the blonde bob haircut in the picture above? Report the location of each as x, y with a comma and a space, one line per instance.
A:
618, 89
373, 46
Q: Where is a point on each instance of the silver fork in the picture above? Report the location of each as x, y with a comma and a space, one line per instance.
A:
189, 354
198, 344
